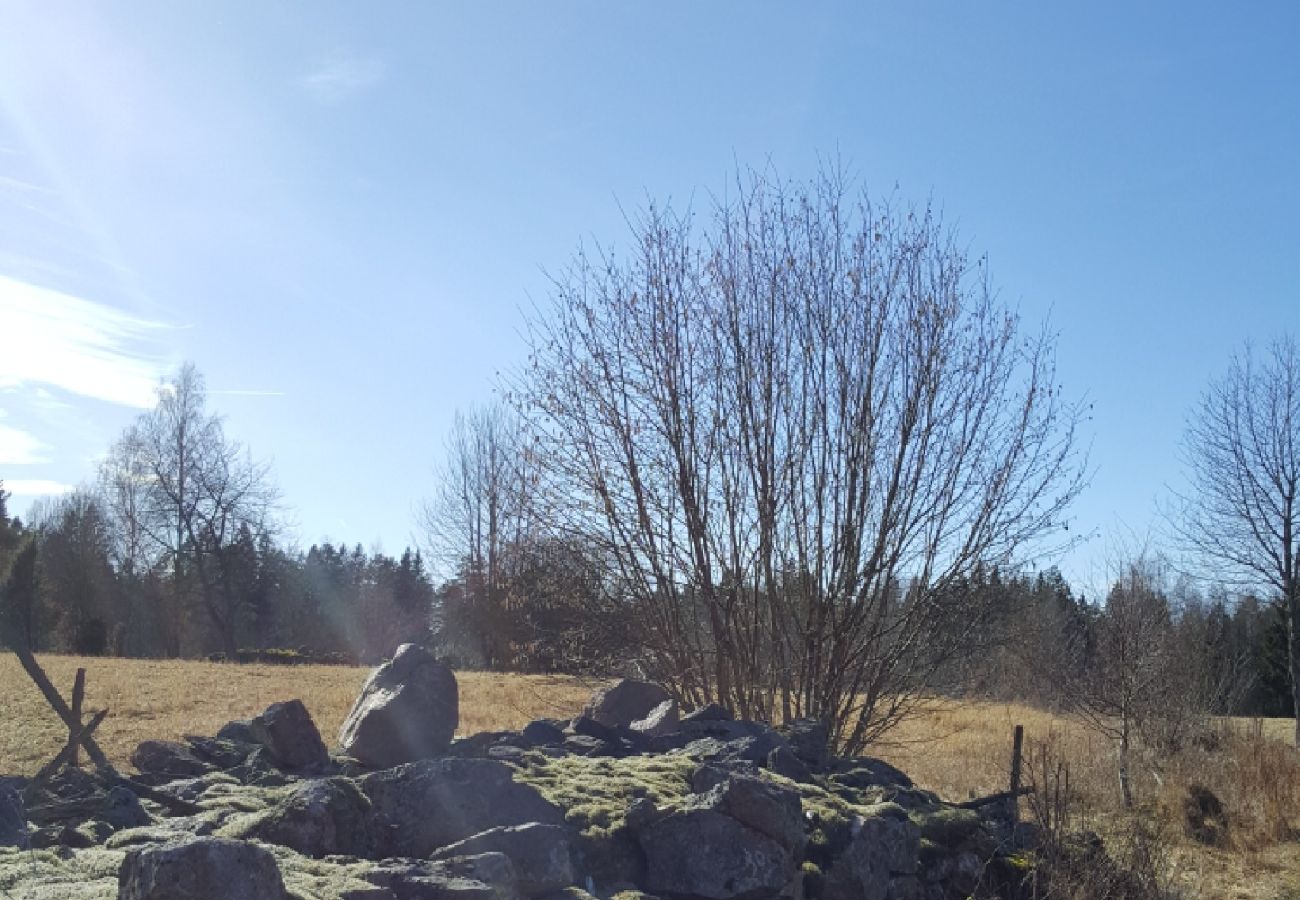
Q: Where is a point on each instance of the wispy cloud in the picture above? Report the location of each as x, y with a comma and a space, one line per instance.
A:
36, 487
343, 77
57, 340
18, 448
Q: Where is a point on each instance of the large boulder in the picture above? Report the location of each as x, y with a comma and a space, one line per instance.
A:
621, 704
207, 868
290, 736
424, 806
330, 816
704, 853
408, 710
13, 817
541, 854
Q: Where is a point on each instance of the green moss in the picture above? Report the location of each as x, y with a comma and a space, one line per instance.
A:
317, 879
241, 798
596, 792
1021, 862
947, 826
814, 882
41, 874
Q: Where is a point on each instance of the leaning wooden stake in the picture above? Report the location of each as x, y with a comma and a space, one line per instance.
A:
68, 754
80, 734
59, 705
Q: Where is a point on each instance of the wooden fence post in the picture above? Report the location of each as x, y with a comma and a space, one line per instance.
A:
1013, 801
78, 695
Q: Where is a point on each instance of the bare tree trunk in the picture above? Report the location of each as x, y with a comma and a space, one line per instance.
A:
1125, 786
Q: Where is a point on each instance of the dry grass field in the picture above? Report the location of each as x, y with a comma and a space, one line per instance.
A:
956, 749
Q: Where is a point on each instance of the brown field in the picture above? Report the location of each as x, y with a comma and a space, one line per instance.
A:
956, 749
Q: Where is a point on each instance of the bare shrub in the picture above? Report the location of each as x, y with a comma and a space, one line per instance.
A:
797, 431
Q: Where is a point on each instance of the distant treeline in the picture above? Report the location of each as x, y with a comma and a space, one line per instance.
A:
334, 604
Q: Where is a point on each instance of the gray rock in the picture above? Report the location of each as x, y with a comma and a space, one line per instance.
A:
703, 853
168, 759
865, 771
290, 736
319, 818
706, 777
123, 809
496, 870
201, 869
408, 710
640, 813
625, 702
771, 810
711, 712
541, 854
663, 719
586, 726
881, 847
96, 831
508, 754
585, 745
784, 762
261, 770
751, 741
810, 741
542, 732
221, 753
906, 887
486, 876
238, 731
13, 817
423, 806
479, 745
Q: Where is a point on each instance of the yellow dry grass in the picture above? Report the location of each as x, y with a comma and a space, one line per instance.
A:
167, 699
958, 750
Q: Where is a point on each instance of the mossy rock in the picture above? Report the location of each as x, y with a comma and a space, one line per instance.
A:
948, 826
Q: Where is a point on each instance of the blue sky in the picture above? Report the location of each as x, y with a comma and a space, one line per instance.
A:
338, 211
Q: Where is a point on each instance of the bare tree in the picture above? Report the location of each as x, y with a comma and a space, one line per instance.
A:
481, 508
794, 431
1120, 677
181, 493
1241, 515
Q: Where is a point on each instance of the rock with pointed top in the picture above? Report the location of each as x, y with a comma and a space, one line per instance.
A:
408, 710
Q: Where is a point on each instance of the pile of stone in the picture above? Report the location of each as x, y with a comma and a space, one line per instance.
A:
630, 798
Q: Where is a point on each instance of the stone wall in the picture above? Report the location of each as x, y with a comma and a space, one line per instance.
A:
630, 799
